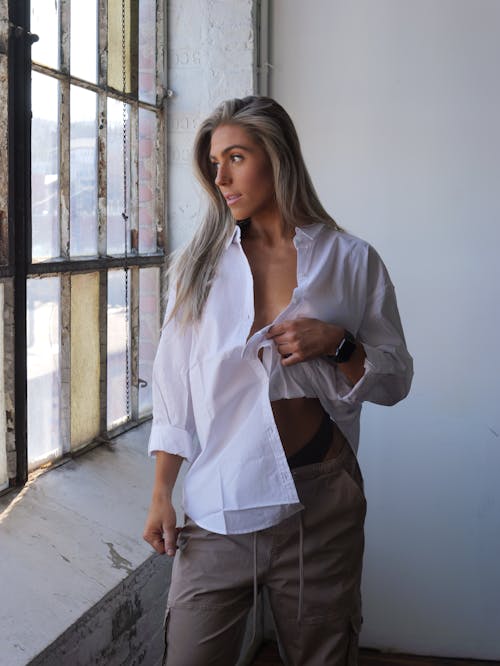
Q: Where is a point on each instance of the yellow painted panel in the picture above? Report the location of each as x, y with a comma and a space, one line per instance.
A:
116, 44
85, 367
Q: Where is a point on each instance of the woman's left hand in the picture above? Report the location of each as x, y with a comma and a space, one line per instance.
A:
303, 339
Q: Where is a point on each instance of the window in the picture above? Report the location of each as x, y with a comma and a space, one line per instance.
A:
91, 257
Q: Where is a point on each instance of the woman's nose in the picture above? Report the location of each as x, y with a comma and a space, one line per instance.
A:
222, 177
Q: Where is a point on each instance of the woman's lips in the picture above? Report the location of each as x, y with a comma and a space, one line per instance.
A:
232, 198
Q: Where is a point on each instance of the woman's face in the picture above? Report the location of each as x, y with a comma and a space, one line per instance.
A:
243, 173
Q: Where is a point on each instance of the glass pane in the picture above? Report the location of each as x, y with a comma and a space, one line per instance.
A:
45, 167
149, 332
147, 51
44, 380
117, 349
83, 223
147, 181
85, 359
116, 225
116, 45
4, 477
84, 39
45, 24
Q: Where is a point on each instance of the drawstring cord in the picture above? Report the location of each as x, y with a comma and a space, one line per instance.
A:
301, 568
255, 589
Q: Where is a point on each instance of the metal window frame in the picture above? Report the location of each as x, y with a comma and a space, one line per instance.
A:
20, 265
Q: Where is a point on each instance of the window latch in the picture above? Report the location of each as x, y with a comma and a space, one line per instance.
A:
18, 31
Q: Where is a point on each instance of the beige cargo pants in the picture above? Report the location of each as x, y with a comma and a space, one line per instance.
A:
310, 563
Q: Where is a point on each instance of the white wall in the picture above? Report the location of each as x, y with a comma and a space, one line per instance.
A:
398, 106
210, 58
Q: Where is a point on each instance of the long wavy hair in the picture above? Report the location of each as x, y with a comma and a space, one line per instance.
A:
268, 124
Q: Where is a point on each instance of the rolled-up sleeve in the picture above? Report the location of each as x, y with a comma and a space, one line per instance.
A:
173, 428
388, 365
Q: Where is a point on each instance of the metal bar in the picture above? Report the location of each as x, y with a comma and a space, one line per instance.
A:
4, 27
134, 179
262, 18
20, 213
102, 128
64, 31
93, 87
103, 350
4, 132
83, 265
102, 173
65, 361
161, 186
134, 344
5, 271
64, 130
9, 377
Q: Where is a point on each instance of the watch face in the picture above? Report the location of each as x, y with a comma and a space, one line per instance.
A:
346, 349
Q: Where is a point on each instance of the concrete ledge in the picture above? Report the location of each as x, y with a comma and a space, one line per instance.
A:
125, 627
70, 539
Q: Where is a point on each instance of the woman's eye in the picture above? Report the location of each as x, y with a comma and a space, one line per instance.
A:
236, 158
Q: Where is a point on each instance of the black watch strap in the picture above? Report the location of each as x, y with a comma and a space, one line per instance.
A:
345, 350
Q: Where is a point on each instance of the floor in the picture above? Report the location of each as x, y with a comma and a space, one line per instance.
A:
268, 655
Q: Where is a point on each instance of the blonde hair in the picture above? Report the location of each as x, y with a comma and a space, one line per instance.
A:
269, 124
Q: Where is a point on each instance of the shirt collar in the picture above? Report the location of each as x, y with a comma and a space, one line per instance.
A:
235, 237
309, 231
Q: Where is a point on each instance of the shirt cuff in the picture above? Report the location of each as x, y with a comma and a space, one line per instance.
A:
169, 438
386, 379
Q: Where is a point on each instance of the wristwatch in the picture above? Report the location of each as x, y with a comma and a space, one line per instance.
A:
345, 350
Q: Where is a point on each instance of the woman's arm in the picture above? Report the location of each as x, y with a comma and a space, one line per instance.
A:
160, 529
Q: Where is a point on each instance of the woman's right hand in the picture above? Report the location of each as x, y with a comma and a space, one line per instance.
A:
160, 530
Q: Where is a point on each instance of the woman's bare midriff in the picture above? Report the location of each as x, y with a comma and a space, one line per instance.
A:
298, 420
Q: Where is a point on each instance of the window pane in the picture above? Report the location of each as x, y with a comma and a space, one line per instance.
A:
4, 477
45, 24
149, 331
115, 45
147, 51
44, 380
117, 349
85, 359
83, 224
116, 225
84, 39
147, 181
45, 167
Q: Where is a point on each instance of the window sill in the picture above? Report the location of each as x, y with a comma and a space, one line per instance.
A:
68, 538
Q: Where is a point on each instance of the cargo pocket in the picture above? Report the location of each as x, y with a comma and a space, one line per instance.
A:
165, 642
353, 647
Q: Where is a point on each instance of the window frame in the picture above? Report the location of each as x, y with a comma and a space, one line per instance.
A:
20, 266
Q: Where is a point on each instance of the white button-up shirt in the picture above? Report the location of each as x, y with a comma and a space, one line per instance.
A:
212, 393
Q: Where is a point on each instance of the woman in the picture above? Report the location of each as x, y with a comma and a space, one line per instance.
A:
278, 326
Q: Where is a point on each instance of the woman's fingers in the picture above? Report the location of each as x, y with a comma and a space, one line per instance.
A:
155, 538
160, 530
170, 539
305, 338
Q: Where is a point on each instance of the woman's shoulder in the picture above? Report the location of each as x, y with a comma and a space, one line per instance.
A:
343, 242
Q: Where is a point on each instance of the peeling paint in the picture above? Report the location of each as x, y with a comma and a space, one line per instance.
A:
117, 561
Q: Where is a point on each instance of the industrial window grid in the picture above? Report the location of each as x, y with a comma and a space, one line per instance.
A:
18, 266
